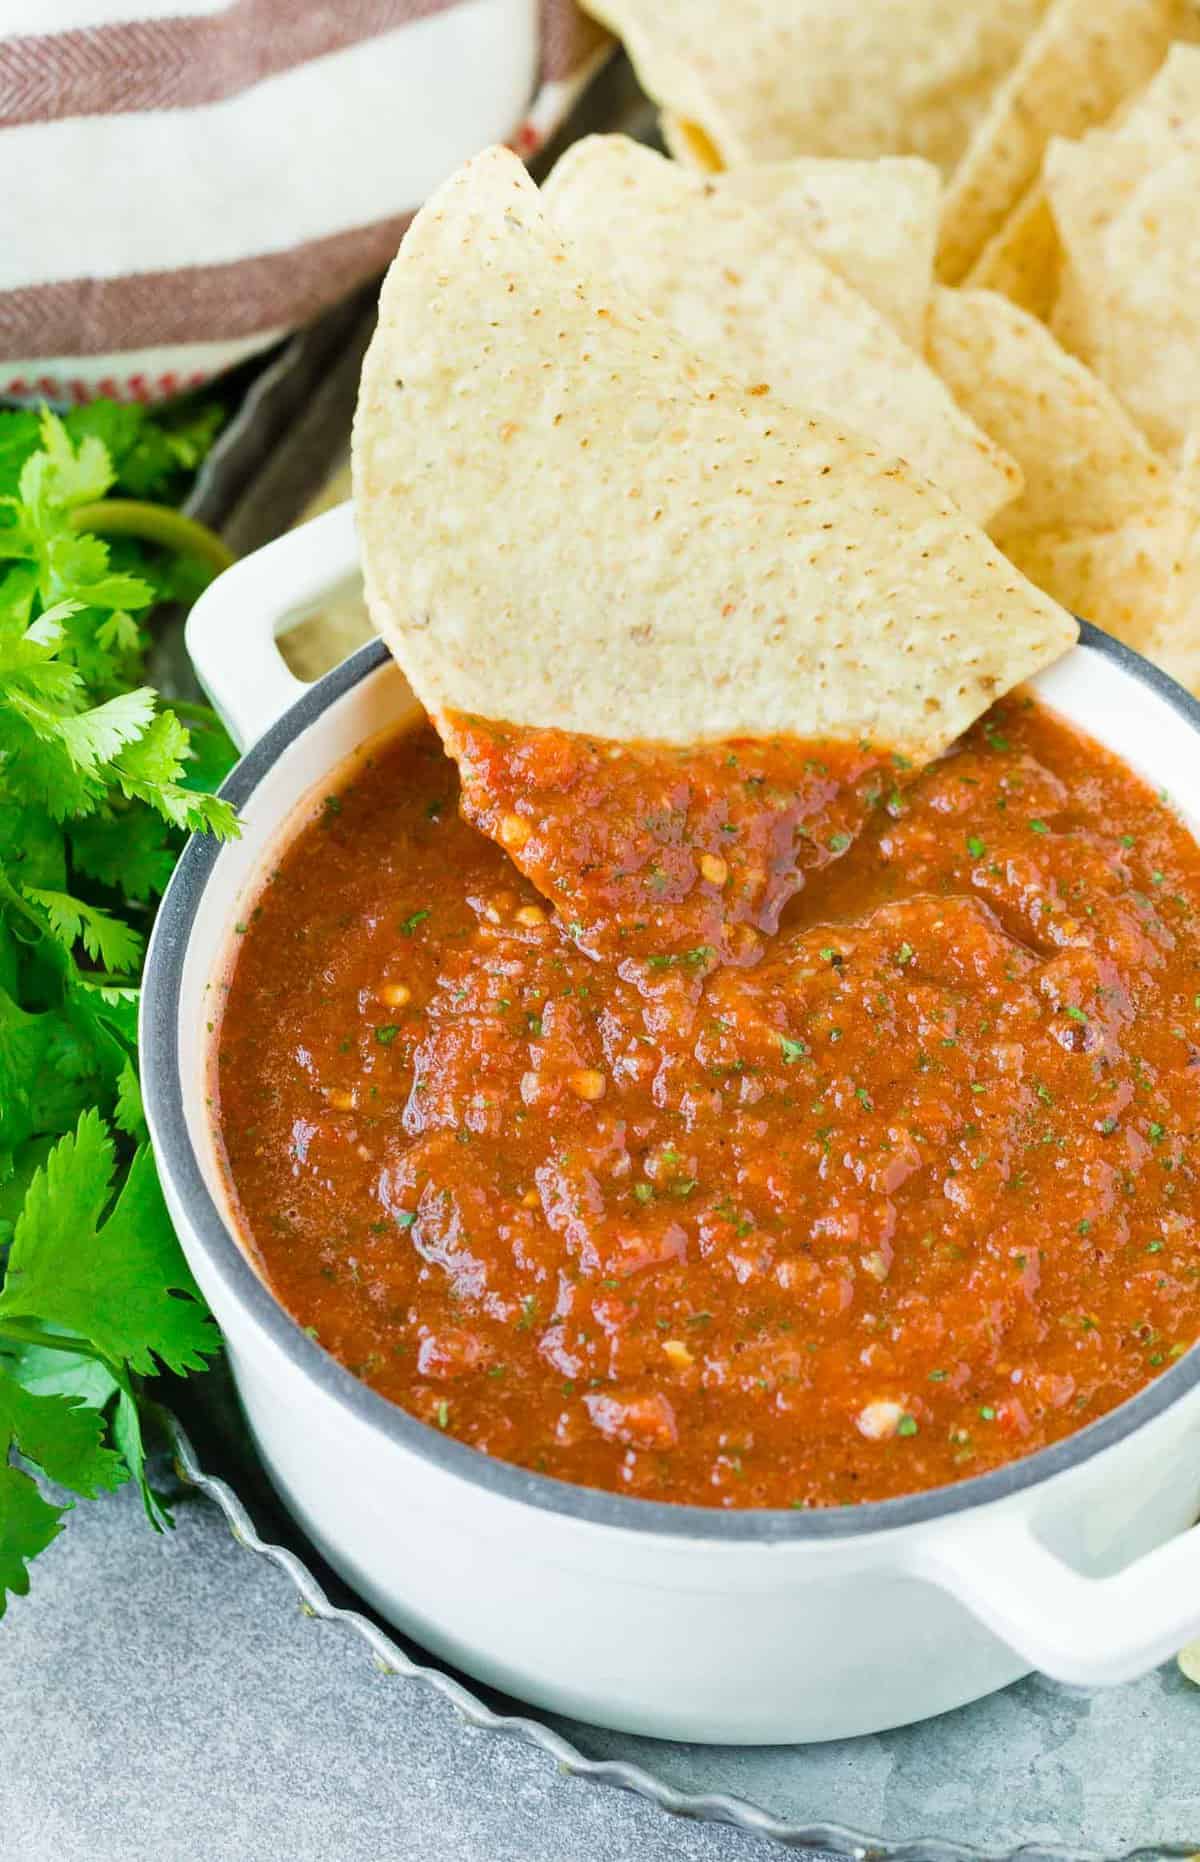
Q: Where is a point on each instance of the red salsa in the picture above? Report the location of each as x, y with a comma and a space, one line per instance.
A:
762, 1125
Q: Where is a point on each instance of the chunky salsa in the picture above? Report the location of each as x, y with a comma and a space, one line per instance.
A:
757, 1126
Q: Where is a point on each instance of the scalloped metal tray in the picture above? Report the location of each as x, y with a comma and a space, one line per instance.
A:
1038, 1772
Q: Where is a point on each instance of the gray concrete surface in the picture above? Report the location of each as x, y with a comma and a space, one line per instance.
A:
164, 1700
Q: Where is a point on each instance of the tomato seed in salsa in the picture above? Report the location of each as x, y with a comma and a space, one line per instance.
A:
761, 1125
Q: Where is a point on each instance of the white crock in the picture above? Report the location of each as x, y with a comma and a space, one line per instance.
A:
683, 1622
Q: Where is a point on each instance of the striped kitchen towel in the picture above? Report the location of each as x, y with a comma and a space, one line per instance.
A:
184, 181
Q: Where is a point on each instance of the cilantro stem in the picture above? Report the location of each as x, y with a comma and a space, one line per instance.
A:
11, 896
154, 523
28, 1332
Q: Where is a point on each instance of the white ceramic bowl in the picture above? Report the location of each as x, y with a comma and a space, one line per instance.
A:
685, 1622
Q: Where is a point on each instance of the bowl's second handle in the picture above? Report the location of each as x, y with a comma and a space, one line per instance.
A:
232, 630
1091, 1632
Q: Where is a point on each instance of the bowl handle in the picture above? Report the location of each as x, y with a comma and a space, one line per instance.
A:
1089, 1631
232, 629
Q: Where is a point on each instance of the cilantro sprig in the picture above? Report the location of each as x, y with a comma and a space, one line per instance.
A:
98, 784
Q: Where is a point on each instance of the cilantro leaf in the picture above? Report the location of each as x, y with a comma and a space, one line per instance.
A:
9, 960
109, 940
148, 769
211, 753
98, 783
126, 848
49, 1371
75, 1071
150, 451
23, 1038
62, 474
52, 1372
95, 736
17, 1168
129, 1438
33, 845
56, 1423
109, 1007
118, 426
62, 1435
28, 1524
128, 1111
19, 434
115, 1283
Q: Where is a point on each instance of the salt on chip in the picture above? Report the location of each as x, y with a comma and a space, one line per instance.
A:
568, 520
762, 307
875, 223
763, 80
1079, 65
1126, 202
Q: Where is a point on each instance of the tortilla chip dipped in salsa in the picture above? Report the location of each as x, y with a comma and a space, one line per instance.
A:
567, 520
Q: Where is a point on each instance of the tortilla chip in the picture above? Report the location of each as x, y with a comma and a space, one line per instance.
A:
874, 223
762, 307
763, 80
1072, 315
1086, 465
1082, 61
567, 520
1023, 260
1189, 465
689, 145
1140, 582
1125, 201
1174, 644
1188, 1660
1104, 524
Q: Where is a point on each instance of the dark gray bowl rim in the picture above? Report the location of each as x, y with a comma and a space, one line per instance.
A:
162, 1085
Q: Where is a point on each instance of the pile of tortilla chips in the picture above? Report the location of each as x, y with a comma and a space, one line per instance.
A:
962, 232
969, 231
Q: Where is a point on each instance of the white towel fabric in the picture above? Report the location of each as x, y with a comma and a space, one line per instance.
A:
182, 188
